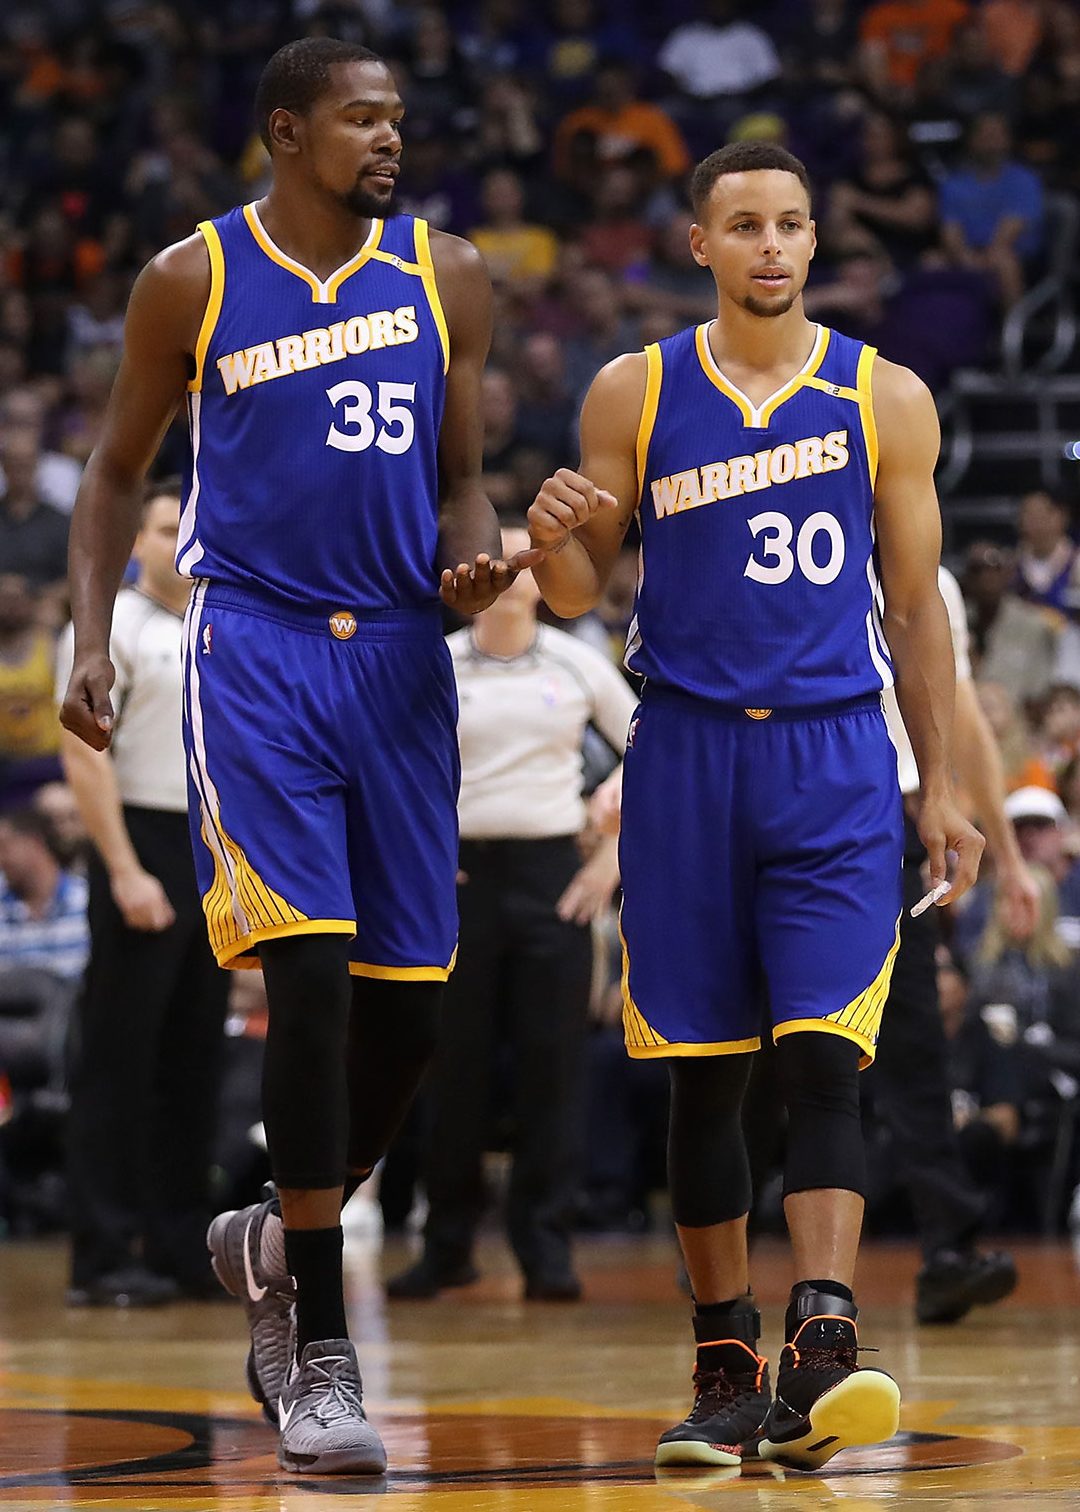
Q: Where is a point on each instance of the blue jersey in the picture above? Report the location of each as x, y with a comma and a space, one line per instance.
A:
315, 410
758, 579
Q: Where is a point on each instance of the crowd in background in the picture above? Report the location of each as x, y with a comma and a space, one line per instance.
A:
558, 138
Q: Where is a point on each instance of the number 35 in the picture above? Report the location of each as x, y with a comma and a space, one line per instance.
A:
398, 428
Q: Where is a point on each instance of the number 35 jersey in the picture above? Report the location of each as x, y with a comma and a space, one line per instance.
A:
758, 576
314, 410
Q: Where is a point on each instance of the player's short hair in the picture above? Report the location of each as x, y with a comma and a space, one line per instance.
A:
298, 73
743, 157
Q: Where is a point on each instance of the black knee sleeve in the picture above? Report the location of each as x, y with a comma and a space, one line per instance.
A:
305, 1101
819, 1081
393, 1032
708, 1170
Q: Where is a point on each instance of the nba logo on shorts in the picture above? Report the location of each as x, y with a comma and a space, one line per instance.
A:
631, 732
207, 638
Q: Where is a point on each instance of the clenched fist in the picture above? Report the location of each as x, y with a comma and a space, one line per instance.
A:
564, 502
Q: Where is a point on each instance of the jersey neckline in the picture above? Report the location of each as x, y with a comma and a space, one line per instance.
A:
757, 417
323, 291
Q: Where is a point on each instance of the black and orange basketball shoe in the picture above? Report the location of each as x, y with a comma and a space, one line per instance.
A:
731, 1397
824, 1401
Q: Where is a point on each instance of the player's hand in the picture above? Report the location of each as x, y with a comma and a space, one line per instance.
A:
942, 827
564, 502
590, 890
1018, 899
142, 901
87, 709
605, 805
470, 589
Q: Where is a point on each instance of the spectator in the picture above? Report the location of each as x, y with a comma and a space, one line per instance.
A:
621, 125
670, 281
42, 906
516, 251
820, 45
502, 440
547, 405
67, 832
1014, 31
1043, 835
886, 203
33, 535
439, 84
1058, 733
967, 80
1013, 643
509, 132
991, 209
720, 55
577, 45
1046, 558
22, 413
616, 238
29, 732
433, 185
1023, 765
899, 37
603, 331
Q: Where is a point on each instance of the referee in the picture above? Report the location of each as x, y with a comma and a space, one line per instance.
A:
910, 1077
527, 694
148, 1033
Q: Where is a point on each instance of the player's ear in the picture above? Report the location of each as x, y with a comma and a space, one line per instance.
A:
282, 129
697, 245
813, 238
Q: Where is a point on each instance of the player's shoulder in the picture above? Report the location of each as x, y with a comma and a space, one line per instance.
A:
455, 255
617, 393
170, 294
905, 414
179, 265
899, 386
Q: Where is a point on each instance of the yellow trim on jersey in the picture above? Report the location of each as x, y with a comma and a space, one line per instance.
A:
654, 378
213, 303
860, 1020
721, 1047
756, 417
837, 390
403, 973
322, 292
265, 911
234, 959
431, 287
865, 381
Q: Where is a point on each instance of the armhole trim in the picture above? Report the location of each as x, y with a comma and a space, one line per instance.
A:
431, 288
212, 312
649, 407
864, 384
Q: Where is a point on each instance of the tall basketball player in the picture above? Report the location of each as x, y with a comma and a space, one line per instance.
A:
776, 468
331, 358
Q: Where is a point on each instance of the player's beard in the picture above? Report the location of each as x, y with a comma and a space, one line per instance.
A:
367, 206
757, 306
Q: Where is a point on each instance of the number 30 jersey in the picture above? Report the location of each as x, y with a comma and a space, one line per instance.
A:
758, 576
315, 409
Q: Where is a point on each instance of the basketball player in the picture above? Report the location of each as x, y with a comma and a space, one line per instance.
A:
331, 358
775, 467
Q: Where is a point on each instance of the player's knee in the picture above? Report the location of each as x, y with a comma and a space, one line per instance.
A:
399, 1020
307, 989
708, 1169
819, 1078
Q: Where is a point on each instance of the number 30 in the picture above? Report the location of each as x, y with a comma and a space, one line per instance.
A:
779, 562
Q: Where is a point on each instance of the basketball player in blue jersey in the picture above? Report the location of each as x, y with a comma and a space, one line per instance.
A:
331, 360
776, 468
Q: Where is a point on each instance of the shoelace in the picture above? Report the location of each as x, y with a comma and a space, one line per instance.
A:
715, 1389
341, 1397
824, 1357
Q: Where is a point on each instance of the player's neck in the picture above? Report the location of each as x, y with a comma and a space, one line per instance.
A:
319, 234
505, 635
745, 344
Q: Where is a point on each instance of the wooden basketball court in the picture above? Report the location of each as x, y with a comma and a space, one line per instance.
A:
490, 1404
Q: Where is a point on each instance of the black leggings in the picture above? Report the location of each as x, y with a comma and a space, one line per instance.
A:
708, 1169
344, 1057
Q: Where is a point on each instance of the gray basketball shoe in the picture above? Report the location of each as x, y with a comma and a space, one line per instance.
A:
321, 1413
234, 1241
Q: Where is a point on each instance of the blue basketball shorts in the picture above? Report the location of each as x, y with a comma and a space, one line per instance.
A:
761, 863
323, 777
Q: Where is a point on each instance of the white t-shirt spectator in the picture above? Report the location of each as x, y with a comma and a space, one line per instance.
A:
706, 60
520, 730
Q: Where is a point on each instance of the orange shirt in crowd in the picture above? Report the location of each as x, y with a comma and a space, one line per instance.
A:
619, 132
911, 32
1013, 31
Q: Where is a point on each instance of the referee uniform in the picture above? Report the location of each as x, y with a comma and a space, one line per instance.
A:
148, 1037
523, 974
